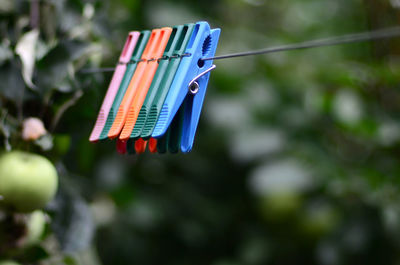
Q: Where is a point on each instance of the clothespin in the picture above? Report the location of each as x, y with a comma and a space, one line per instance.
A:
174, 133
131, 67
171, 140
189, 85
153, 145
162, 144
145, 82
168, 64
149, 53
121, 147
140, 146
158, 91
112, 90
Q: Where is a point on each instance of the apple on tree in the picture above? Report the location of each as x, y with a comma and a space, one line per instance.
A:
27, 181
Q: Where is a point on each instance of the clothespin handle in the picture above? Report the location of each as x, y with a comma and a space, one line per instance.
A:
130, 70
123, 109
112, 90
145, 82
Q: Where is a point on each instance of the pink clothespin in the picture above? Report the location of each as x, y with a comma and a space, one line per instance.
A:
114, 84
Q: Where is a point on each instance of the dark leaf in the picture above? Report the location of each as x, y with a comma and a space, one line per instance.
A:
53, 69
72, 221
34, 254
12, 84
5, 53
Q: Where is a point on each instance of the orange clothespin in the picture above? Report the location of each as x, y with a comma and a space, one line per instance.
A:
153, 145
140, 146
141, 69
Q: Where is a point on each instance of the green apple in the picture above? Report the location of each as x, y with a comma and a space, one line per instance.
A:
8, 262
27, 181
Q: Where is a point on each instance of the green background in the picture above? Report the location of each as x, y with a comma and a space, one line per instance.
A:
296, 158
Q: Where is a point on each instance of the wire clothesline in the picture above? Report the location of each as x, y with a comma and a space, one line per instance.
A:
337, 40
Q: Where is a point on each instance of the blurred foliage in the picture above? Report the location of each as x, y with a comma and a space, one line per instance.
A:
296, 159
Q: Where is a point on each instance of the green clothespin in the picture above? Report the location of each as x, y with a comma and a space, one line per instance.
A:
157, 79
171, 140
175, 131
162, 144
141, 44
130, 146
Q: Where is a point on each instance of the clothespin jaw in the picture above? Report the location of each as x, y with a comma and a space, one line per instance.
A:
112, 90
162, 144
121, 147
153, 145
203, 43
130, 146
174, 132
140, 146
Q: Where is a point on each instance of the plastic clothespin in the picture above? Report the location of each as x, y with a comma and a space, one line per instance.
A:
140, 146
121, 147
171, 140
136, 146
145, 83
126, 102
163, 78
130, 146
190, 84
117, 77
162, 144
131, 67
153, 145
175, 131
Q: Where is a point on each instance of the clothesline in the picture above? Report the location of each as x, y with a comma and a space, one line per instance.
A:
332, 41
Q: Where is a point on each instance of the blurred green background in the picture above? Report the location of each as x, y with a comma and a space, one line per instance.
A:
296, 158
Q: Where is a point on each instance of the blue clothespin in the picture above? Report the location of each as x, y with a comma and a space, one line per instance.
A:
190, 84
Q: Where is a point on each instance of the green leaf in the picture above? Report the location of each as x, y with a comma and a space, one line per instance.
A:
62, 143
34, 254
45, 142
7, 6
55, 68
26, 49
68, 260
6, 129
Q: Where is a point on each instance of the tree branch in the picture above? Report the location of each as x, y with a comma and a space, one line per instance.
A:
64, 107
34, 19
